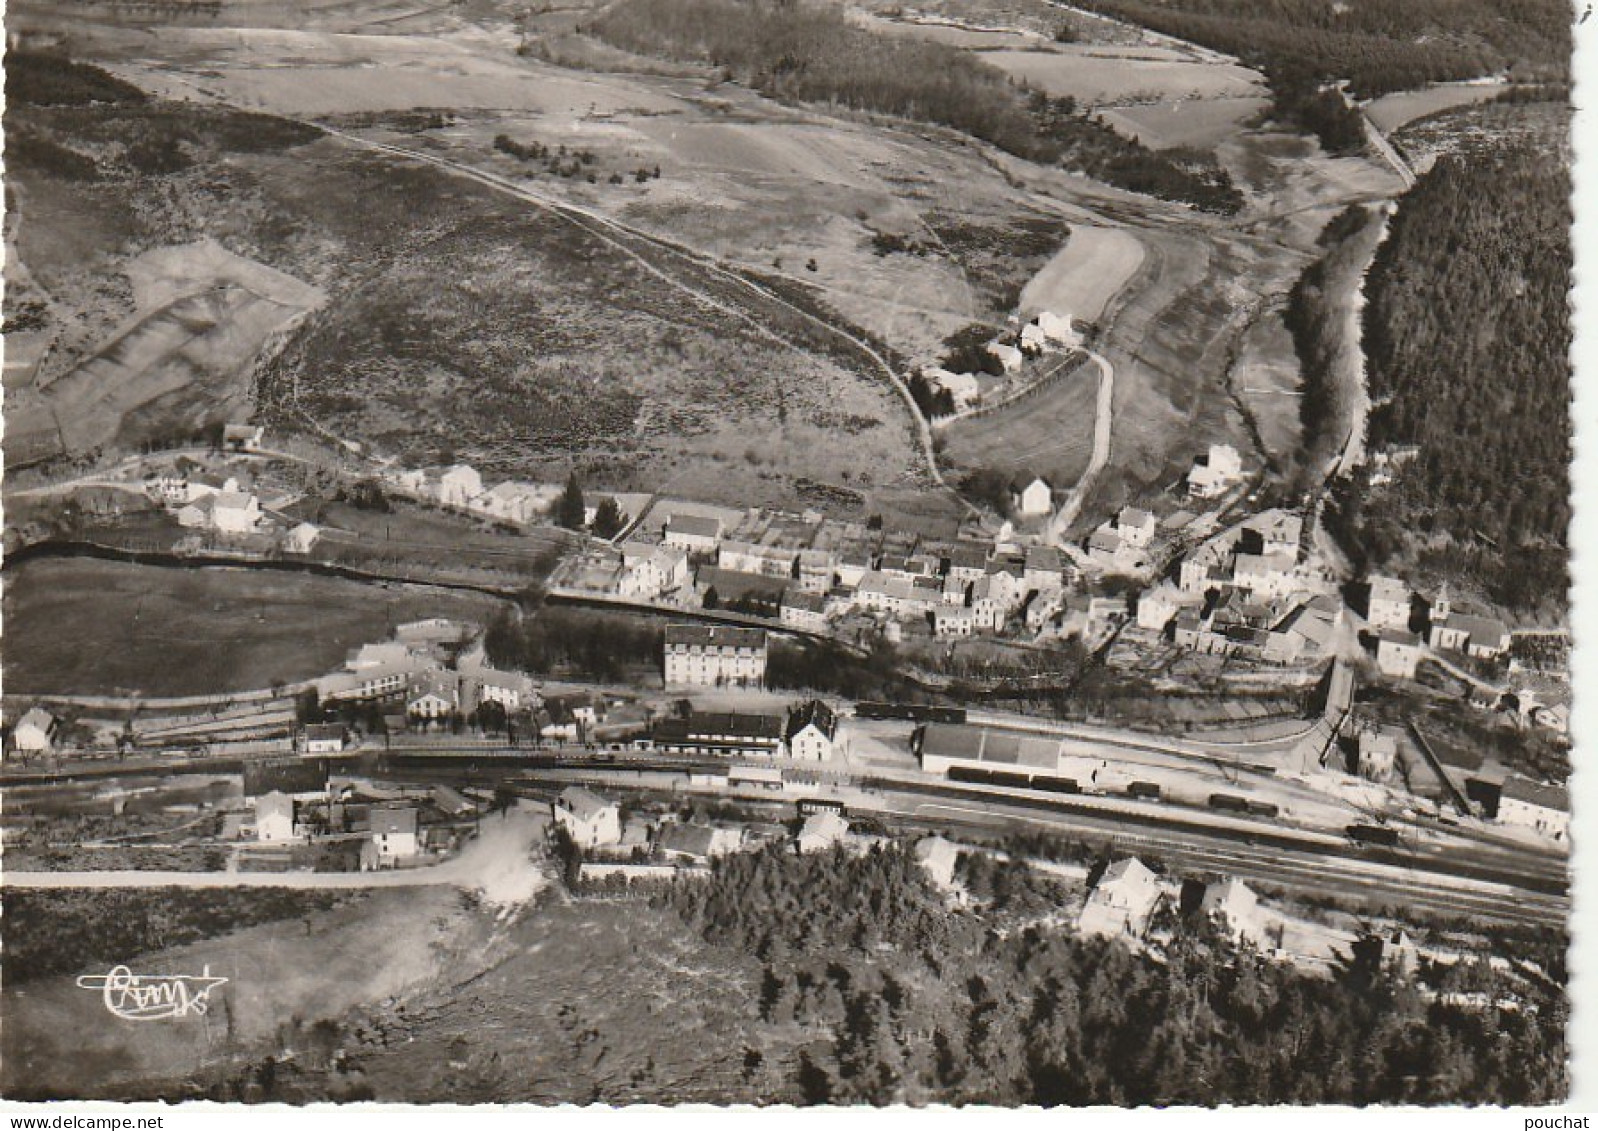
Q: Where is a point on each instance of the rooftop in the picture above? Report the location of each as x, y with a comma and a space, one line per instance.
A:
713, 636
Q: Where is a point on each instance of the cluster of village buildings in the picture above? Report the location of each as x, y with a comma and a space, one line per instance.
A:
1009, 351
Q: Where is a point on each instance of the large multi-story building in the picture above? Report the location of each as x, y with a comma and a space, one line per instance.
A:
715, 656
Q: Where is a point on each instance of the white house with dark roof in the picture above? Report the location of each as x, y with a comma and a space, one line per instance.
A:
1398, 653
812, 732
1007, 356
393, 835
1136, 527
692, 532
276, 818
1389, 603
1122, 902
1535, 805
939, 857
589, 819
1031, 497
804, 611
435, 695
1237, 907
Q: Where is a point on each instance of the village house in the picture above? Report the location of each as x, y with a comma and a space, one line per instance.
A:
301, 539
806, 612
589, 819
1044, 570
322, 738
714, 656
1266, 577
1157, 607
695, 843
1032, 497
1535, 805
511, 690
1215, 472
1389, 603
1237, 908
518, 502
754, 557
1277, 532
966, 562
435, 695
1057, 329
1398, 654
962, 388
1135, 527
816, 569
812, 732
1010, 358
242, 437
459, 485
393, 835
35, 732
694, 533
275, 818
1122, 902
896, 596
954, 621
651, 571
821, 831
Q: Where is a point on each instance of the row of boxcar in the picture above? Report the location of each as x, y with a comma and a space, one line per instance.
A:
1232, 803
914, 712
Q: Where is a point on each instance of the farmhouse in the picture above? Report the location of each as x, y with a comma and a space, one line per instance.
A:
1044, 570
35, 732
961, 387
1535, 805
275, 818
459, 485
518, 502
691, 532
588, 818
1122, 902
511, 690
1278, 531
714, 656
322, 738
242, 437
812, 732
1057, 328
301, 539
1158, 607
1032, 497
393, 835
1214, 472
649, 572
1006, 355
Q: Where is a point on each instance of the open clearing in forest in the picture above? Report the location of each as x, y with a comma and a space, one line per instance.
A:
1087, 273
89, 627
1391, 111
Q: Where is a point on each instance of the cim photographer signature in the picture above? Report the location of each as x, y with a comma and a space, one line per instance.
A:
153, 997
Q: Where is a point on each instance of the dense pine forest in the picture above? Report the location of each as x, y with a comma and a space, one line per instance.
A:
920, 1006
1467, 336
811, 53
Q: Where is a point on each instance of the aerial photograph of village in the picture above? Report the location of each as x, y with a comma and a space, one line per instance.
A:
815, 552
